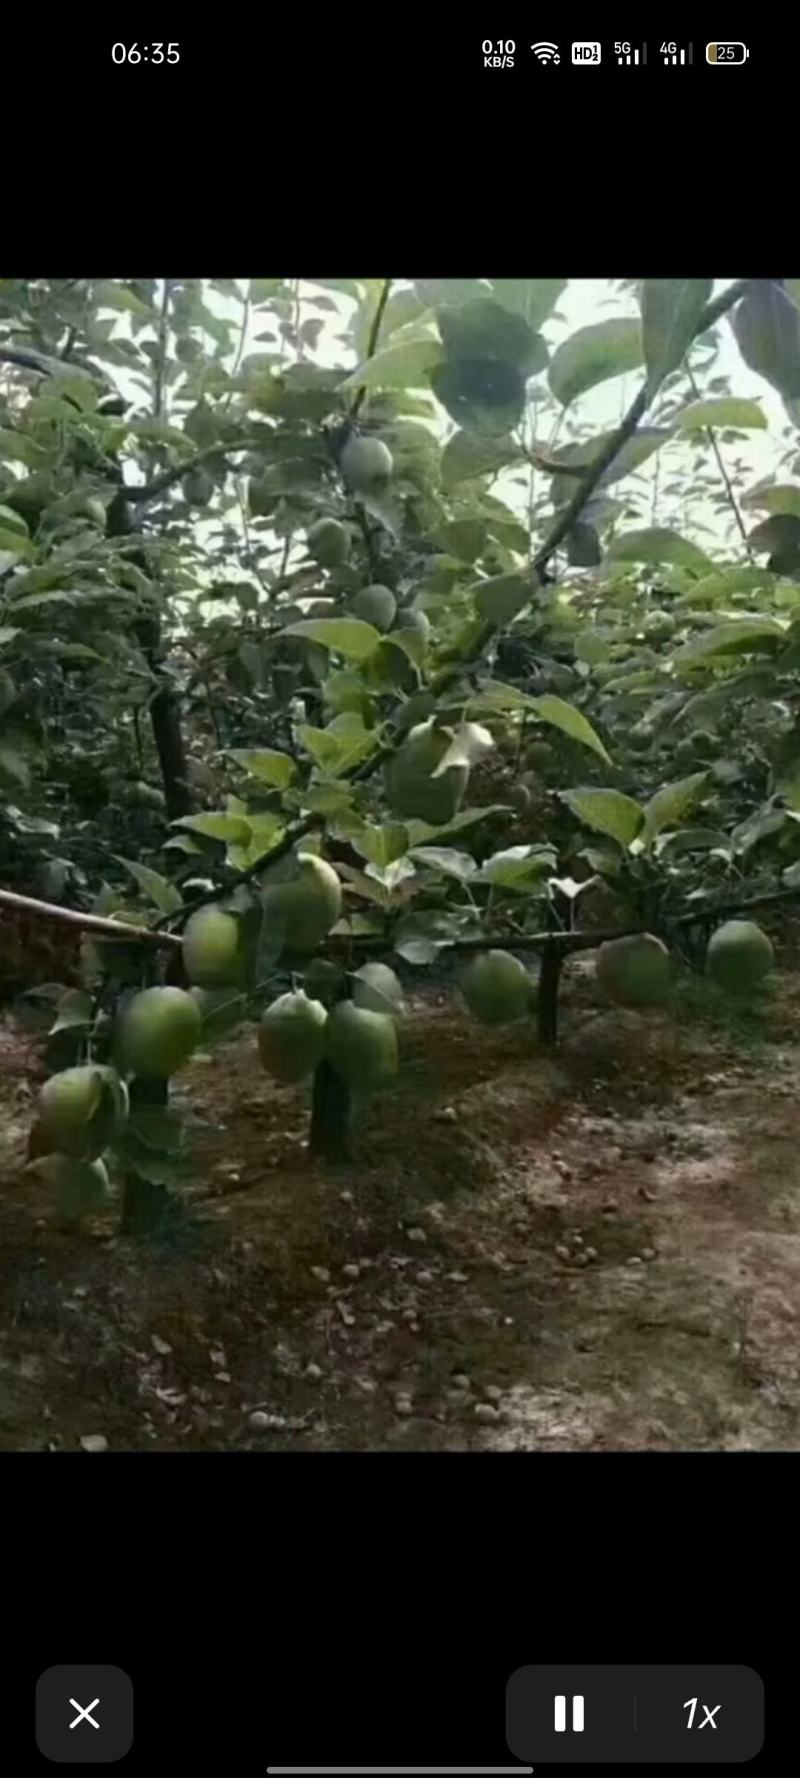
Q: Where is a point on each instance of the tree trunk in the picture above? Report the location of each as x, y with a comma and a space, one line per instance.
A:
330, 1116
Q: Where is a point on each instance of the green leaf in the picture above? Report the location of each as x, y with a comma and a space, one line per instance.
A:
780, 497
467, 455
264, 763
420, 831
381, 845
165, 894
766, 324
112, 296
11, 521
592, 355
217, 827
633, 454
75, 1011
608, 811
658, 544
434, 291
465, 538
672, 803
572, 722
483, 395
402, 365
495, 696
746, 635
671, 309
15, 543
266, 829
484, 330
445, 861
532, 298
420, 937
341, 745
726, 411
519, 867
502, 598
779, 533
345, 635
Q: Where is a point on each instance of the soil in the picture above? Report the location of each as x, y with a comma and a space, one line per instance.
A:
591, 1249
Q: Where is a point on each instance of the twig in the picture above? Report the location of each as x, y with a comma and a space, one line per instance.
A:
372, 343
712, 439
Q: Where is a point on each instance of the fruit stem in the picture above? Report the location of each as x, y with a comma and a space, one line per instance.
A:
329, 1137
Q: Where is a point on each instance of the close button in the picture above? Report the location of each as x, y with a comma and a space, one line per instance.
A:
84, 1715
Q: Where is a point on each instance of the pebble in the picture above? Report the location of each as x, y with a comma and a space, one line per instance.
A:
351, 1271
493, 1393
460, 1381
446, 1114
94, 1441
424, 1277
591, 1253
563, 1253
416, 1234
486, 1413
346, 1198
259, 1421
610, 1206
581, 1259
635, 1260
321, 1273
649, 1253
402, 1406
457, 1277
312, 1372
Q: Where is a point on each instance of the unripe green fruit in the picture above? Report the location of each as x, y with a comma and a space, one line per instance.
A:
376, 987
739, 955
197, 488
159, 1029
307, 906
658, 626
361, 1045
375, 605
412, 791
366, 464
329, 543
414, 619
634, 971
497, 988
80, 1187
80, 1109
291, 1036
212, 953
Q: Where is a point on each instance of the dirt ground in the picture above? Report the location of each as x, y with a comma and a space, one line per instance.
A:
596, 1250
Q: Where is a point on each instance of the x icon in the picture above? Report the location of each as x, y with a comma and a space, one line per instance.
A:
709, 1715
83, 1715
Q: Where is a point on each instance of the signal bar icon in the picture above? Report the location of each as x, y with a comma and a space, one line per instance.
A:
630, 55
560, 1715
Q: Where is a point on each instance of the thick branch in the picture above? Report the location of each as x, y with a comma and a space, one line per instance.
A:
46, 910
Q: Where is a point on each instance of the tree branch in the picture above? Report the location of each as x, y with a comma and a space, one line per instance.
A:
46, 910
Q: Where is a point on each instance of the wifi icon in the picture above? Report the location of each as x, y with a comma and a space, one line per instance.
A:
546, 52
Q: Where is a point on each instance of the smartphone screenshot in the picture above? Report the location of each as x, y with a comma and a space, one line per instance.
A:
399, 891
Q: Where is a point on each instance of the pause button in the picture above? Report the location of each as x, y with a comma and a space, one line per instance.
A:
561, 1713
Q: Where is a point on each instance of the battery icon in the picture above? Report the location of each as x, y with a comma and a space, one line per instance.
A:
728, 54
